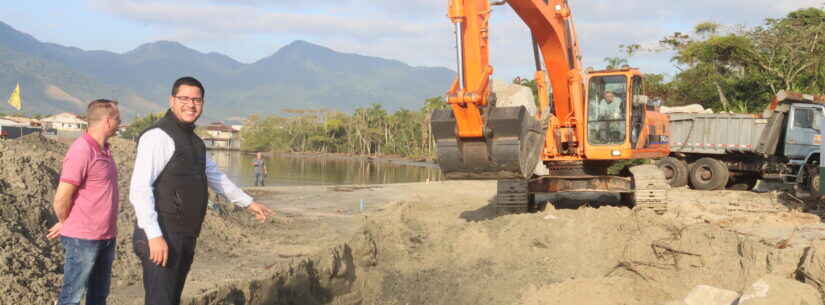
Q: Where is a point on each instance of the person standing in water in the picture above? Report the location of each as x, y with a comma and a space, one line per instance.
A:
260, 169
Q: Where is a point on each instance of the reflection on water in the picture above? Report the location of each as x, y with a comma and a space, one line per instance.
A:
304, 171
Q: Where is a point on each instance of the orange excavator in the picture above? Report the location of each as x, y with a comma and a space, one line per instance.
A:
592, 120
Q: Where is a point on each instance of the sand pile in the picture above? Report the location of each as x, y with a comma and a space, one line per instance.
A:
633, 258
443, 253
30, 265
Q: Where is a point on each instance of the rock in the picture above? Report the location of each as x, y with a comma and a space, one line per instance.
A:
776, 290
708, 295
692, 108
511, 95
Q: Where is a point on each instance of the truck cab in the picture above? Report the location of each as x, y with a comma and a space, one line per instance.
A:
802, 144
803, 135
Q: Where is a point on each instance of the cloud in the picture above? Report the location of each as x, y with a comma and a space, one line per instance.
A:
393, 8
418, 32
240, 19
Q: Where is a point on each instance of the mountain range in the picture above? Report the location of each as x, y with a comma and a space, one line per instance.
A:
300, 75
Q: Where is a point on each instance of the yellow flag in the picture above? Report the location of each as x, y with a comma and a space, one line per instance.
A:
14, 99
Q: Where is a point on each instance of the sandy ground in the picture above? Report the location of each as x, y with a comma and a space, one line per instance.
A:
439, 243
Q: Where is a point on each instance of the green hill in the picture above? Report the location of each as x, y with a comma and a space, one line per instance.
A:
300, 75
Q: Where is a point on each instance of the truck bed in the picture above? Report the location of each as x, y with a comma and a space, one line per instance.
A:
718, 133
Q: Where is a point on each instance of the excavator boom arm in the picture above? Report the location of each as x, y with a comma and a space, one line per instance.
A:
555, 42
553, 33
478, 140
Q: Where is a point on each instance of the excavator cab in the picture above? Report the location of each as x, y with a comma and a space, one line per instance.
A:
607, 110
621, 122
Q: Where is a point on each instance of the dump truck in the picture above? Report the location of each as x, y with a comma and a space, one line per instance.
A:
714, 151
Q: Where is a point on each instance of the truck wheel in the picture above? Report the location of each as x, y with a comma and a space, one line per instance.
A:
814, 181
676, 171
709, 174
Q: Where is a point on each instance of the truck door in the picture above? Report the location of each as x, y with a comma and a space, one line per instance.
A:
821, 158
803, 136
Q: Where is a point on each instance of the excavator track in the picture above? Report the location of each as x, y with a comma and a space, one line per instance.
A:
649, 188
512, 197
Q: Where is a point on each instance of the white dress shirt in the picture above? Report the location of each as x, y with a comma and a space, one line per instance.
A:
154, 150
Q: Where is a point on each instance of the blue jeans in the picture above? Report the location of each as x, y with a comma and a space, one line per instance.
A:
87, 269
259, 179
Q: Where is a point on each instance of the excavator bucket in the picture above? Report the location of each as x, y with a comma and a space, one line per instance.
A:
511, 148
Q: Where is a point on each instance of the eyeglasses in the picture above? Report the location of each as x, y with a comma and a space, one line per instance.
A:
190, 100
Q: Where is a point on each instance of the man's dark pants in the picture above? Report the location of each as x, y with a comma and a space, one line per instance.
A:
88, 268
164, 285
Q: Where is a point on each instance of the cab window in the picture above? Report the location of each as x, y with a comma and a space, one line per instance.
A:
804, 118
606, 109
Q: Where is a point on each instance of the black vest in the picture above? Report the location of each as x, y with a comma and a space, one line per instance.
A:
181, 193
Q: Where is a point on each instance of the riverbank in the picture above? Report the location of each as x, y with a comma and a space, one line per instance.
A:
309, 169
373, 158
393, 159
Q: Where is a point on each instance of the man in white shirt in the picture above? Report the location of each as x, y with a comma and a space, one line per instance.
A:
169, 193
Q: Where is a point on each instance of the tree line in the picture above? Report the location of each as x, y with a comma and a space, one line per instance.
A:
369, 130
736, 68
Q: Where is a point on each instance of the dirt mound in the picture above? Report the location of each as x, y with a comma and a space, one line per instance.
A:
443, 253
31, 268
30, 265
645, 257
28, 177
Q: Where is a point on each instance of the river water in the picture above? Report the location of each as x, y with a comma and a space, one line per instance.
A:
313, 171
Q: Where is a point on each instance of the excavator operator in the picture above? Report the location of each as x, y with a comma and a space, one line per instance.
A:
606, 120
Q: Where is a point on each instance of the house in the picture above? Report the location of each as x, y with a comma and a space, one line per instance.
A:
24, 120
4, 122
10, 129
122, 128
65, 122
222, 136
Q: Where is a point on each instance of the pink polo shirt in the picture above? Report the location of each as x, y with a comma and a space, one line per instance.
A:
95, 203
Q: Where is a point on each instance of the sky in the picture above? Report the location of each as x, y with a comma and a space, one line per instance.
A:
416, 32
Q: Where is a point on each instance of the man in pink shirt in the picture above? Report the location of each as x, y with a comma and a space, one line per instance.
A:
86, 204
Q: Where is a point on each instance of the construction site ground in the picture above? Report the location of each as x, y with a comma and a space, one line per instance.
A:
441, 243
